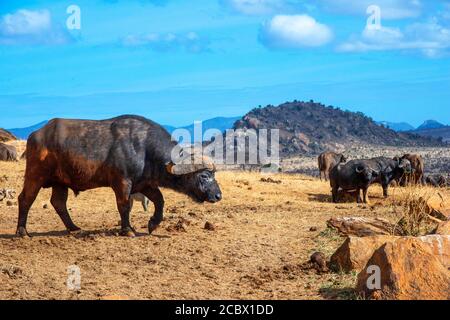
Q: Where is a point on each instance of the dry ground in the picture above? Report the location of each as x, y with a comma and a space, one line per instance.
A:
262, 237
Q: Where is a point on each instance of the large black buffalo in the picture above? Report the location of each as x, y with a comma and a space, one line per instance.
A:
129, 154
388, 170
354, 175
360, 174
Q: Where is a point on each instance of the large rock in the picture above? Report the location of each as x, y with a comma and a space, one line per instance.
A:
363, 227
407, 270
437, 207
355, 251
6, 136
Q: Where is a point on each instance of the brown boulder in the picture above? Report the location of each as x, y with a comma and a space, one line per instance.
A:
437, 207
6, 136
363, 227
407, 270
355, 252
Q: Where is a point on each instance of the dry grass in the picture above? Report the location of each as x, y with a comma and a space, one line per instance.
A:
261, 239
411, 206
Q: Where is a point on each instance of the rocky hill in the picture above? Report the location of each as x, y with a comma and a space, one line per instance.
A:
6, 136
311, 128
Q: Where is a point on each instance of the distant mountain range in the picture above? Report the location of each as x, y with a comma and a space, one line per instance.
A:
403, 131
397, 126
430, 128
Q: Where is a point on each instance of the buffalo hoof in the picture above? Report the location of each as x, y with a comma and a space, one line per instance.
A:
22, 232
127, 233
152, 226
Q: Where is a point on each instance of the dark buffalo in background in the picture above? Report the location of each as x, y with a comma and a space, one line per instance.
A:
327, 161
417, 173
437, 180
354, 175
129, 154
7, 153
389, 170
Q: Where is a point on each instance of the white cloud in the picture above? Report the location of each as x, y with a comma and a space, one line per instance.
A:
294, 31
25, 22
255, 7
431, 38
30, 27
390, 9
190, 42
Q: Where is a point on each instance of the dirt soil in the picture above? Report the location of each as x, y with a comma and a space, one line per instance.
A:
260, 239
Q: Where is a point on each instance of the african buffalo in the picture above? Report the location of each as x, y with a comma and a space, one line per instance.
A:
129, 154
437, 180
7, 153
354, 175
327, 161
418, 168
388, 170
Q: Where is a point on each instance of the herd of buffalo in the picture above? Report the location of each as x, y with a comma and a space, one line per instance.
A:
360, 174
133, 156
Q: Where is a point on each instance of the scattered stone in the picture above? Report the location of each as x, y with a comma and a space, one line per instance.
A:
11, 271
363, 227
313, 229
45, 206
409, 270
209, 226
180, 226
7, 194
319, 262
9, 203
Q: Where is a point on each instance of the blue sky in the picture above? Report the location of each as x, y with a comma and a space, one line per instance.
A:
176, 61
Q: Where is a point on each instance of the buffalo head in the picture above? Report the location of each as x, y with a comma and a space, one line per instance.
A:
366, 173
196, 179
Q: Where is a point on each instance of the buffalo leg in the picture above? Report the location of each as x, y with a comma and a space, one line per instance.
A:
26, 198
157, 198
358, 196
335, 193
365, 191
124, 206
59, 202
386, 191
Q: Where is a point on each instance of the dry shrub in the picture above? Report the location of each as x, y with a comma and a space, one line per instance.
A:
411, 206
